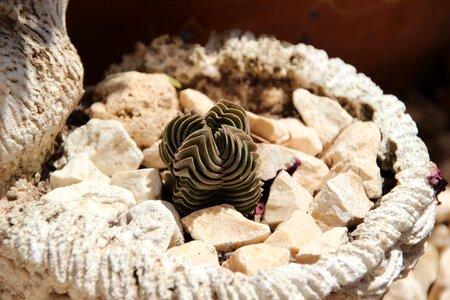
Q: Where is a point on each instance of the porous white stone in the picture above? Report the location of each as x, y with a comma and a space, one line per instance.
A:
267, 128
197, 252
145, 184
78, 169
107, 144
152, 159
301, 137
195, 100
224, 227
286, 195
323, 114
252, 258
343, 202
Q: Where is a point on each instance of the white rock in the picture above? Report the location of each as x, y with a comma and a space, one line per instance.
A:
295, 232
197, 252
100, 200
275, 157
356, 148
267, 128
301, 137
323, 114
343, 202
407, 288
107, 144
152, 159
286, 195
78, 169
441, 288
224, 227
175, 216
145, 184
440, 237
427, 268
443, 209
327, 242
252, 258
195, 100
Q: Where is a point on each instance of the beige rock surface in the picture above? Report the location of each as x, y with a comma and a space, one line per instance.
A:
224, 227
78, 169
295, 232
267, 128
343, 202
407, 288
440, 236
252, 258
195, 100
301, 137
286, 195
152, 159
145, 184
107, 144
197, 252
443, 209
441, 288
329, 241
356, 149
323, 114
427, 268
142, 102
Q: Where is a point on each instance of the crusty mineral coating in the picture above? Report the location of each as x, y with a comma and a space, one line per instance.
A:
389, 240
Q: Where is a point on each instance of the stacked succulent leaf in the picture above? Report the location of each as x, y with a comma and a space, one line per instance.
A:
212, 159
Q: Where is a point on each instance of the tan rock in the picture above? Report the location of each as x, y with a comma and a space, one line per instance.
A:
224, 227
323, 114
195, 100
295, 232
441, 288
197, 252
327, 242
252, 258
443, 209
152, 159
107, 144
275, 157
427, 268
343, 202
267, 128
407, 288
440, 237
301, 137
78, 169
143, 103
356, 149
145, 184
286, 195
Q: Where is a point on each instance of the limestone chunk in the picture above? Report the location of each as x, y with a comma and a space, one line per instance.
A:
356, 148
195, 100
275, 157
252, 258
224, 227
152, 159
443, 209
78, 169
107, 144
301, 137
407, 288
440, 237
343, 202
145, 184
323, 114
142, 102
197, 252
327, 242
286, 196
427, 268
295, 232
267, 128
441, 287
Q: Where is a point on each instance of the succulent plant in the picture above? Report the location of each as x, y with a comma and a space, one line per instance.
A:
212, 159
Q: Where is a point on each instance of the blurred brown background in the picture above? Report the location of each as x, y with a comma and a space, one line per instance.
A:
403, 45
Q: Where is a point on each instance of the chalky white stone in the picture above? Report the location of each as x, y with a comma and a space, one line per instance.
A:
267, 128
152, 159
195, 100
301, 137
197, 252
145, 184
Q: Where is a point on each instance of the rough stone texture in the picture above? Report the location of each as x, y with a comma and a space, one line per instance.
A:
195, 100
145, 184
329, 241
267, 128
301, 137
78, 169
343, 202
224, 227
252, 258
41, 78
295, 232
143, 103
323, 114
107, 144
152, 159
197, 252
356, 149
285, 196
